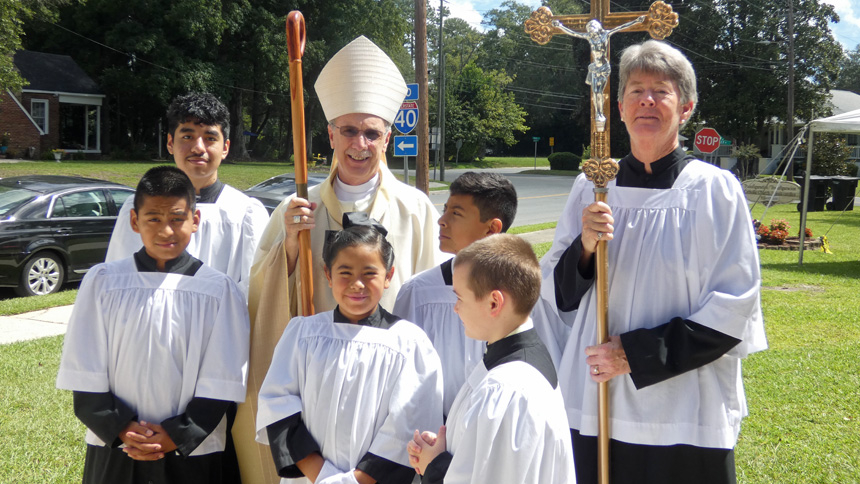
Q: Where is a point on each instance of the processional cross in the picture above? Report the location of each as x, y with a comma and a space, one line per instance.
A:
659, 21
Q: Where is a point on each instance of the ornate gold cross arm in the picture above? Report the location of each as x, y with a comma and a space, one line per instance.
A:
659, 23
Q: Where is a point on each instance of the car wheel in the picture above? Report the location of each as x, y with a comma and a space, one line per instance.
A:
43, 274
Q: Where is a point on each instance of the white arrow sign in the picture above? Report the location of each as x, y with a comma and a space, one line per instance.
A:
406, 145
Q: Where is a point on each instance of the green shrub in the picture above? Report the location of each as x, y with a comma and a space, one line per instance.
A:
564, 160
830, 156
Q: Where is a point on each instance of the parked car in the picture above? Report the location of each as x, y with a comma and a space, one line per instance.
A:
274, 190
53, 229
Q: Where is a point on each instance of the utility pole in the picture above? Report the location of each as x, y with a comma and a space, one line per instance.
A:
789, 122
422, 161
440, 146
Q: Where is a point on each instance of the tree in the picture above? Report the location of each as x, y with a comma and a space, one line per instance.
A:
145, 52
479, 111
739, 52
849, 71
548, 80
13, 14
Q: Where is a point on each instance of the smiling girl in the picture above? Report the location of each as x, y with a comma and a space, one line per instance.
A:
346, 387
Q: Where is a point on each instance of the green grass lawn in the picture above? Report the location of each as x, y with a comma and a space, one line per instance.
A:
240, 175
803, 392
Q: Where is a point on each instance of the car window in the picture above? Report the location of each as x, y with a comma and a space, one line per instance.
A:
12, 198
120, 196
277, 184
88, 203
37, 209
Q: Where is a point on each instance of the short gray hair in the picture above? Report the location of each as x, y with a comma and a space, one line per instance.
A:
657, 57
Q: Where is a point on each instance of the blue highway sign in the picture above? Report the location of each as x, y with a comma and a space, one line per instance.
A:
407, 117
406, 145
412, 93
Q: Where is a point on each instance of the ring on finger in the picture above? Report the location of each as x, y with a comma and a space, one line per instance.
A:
595, 370
599, 235
297, 219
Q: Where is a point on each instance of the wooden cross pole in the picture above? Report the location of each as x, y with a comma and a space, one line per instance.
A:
600, 169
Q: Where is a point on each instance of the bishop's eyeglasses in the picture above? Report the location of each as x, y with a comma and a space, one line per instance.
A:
370, 135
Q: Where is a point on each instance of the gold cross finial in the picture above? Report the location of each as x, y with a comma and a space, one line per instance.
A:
659, 22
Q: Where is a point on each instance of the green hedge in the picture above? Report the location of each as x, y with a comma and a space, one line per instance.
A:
564, 160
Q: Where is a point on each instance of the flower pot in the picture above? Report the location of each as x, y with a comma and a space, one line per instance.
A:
58, 156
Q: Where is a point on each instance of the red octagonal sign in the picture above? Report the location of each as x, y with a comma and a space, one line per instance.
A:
707, 140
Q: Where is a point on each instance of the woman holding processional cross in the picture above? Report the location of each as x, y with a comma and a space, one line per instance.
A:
684, 293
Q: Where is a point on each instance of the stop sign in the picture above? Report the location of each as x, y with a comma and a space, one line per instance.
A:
707, 140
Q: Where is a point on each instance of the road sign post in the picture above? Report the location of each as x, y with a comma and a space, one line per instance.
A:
536, 139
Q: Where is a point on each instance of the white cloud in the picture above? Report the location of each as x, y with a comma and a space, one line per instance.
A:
465, 9
472, 11
849, 21
848, 10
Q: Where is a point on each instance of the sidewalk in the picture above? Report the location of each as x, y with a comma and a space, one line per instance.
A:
52, 321
37, 324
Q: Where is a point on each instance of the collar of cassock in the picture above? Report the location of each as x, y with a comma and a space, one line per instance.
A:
211, 193
663, 171
380, 318
522, 344
184, 264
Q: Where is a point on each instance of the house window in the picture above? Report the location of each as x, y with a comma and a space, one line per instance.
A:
39, 112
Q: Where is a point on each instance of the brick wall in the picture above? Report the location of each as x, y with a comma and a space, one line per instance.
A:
22, 133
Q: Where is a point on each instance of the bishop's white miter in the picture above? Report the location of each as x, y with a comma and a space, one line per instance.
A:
361, 78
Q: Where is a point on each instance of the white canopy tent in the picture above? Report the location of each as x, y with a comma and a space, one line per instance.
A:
841, 123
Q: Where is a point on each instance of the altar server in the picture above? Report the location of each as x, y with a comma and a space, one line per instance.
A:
347, 386
156, 350
231, 223
479, 205
507, 423
684, 304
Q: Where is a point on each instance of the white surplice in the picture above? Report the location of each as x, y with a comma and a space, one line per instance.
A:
359, 389
689, 252
508, 425
156, 340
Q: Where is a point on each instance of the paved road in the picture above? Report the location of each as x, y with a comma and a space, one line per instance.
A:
541, 197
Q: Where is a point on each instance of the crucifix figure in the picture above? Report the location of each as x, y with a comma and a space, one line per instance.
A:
600, 169
599, 69
658, 21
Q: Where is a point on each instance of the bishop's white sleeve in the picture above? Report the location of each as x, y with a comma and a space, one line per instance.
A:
84, 363
729, 274
123, 241
416, 403
224, 366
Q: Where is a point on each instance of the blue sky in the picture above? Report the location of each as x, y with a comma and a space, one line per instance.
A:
847, 31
